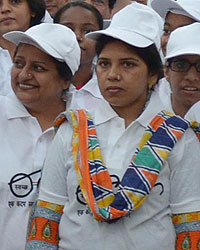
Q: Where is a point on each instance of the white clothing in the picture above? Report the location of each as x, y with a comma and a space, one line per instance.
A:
23, 149
47, 18
88, 97
150, 226
194, 112
5, 70
164, 92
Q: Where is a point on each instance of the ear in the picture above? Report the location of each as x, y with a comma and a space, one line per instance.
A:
152, 80
66, 84
166, 72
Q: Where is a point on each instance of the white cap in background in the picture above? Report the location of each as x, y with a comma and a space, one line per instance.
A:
135, 24
190, 8
184, 41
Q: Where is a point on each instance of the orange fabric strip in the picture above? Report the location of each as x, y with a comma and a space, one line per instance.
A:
188, 241
43, 229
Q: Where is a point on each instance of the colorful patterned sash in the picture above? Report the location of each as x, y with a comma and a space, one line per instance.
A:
140, 177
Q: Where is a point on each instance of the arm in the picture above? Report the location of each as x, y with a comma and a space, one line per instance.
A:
43, 228
47, 211
185, 198
187, 227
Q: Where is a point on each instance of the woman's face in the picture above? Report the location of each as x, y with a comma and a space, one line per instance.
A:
81, 21
14, 15
185, 85
123, 76
172, 22
35, 79
54, 5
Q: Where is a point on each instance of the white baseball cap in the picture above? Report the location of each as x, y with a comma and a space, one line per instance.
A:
135, 24
54, 39
190, 8
184, 41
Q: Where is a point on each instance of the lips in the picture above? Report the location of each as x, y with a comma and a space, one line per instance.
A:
26, 86
190, 89
6, 19
114, 89
50, 6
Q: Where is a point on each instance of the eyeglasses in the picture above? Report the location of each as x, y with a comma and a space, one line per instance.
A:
182, 65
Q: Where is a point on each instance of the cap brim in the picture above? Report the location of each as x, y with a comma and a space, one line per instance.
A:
18, 37
129, 37
183, 52
162, 7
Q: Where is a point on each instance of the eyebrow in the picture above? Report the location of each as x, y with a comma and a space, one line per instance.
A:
85, 24
121, 59
21, 57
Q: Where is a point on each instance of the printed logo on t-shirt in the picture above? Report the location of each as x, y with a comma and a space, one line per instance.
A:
21, 186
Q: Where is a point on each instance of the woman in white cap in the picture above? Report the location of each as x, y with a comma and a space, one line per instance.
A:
46, 57
15, 15
83, 18
124, 195
176, 13
182, 69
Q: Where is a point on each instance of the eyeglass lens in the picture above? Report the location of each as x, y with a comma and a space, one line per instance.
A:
184, 66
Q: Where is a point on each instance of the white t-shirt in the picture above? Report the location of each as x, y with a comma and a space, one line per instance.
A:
5, 69
23, 149
88, 97
164, 92
194, 112
150, 226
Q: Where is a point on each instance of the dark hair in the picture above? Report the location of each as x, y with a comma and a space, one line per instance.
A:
111, 4
63, 69
82, 4
149, 55
38, 7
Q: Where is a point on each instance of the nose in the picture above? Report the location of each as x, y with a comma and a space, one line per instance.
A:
5, 6
24, 75
192, 74
79, 35
114, 73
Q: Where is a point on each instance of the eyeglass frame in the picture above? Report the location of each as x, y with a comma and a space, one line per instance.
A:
169, 63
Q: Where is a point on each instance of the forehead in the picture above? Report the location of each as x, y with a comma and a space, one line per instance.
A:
176, 20
78, 14
188, 57
117, 49
31, 52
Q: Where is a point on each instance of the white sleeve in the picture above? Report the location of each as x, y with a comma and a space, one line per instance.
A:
53, 186
185, 174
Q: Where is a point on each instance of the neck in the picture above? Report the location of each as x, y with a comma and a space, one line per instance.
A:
130, 113
5, 44
179, 108
83, 75
46, 114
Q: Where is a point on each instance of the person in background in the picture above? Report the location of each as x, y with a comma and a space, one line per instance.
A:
104, 6
182, 69
176, 14
43, 66
53, 6
82, 18
15, 15
105, 196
